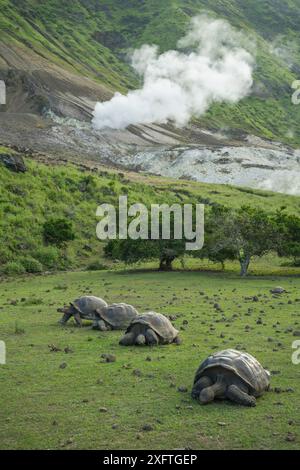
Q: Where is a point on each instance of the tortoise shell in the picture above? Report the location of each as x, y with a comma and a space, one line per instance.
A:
160, 324
242, 364
118, 316
87, 306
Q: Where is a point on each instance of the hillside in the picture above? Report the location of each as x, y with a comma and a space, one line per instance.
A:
53, 189
91, 38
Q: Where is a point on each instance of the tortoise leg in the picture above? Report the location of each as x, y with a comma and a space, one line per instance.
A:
235, 394
208, 394
140, 340
99, 325
102, 325
128, 339
151, 338
202, 383
65, 318
78, 319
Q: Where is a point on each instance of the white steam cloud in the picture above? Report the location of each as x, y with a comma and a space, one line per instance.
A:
285, 49
283, 182
213, 65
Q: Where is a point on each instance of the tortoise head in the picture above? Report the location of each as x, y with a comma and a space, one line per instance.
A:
66, 309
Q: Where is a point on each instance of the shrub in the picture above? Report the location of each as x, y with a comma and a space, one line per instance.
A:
13, 268
48, 256
31, 265
5, 255
58, 231
96, 266
19, 330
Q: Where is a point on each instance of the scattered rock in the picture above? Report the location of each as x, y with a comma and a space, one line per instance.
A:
13, 161
108, 358
182, 389
63, 365
278, 290
53, 348
290, 437
147, 427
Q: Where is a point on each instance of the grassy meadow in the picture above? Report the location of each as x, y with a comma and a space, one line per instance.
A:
74, 400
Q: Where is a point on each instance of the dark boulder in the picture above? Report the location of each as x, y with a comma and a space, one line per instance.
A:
13, 162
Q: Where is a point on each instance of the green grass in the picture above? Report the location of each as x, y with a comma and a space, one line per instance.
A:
93, 39
45, 407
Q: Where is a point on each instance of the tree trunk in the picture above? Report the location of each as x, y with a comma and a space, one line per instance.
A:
166, 264
244, 262
169, 266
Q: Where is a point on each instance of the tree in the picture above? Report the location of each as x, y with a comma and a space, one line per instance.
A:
212, 249
132, 251
289, 227
240, 234
58, 231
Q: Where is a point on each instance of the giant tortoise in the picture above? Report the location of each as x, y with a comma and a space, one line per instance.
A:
114, 317
87, 307
230, 374
150, 328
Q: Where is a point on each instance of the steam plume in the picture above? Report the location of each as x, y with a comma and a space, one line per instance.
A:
211, 66
283, 182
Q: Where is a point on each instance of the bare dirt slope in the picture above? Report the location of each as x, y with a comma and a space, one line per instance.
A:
34, 83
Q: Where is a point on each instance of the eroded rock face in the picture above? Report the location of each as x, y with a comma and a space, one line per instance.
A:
13, 162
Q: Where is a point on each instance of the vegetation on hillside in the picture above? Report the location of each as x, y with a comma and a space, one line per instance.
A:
57, 194
94, 37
